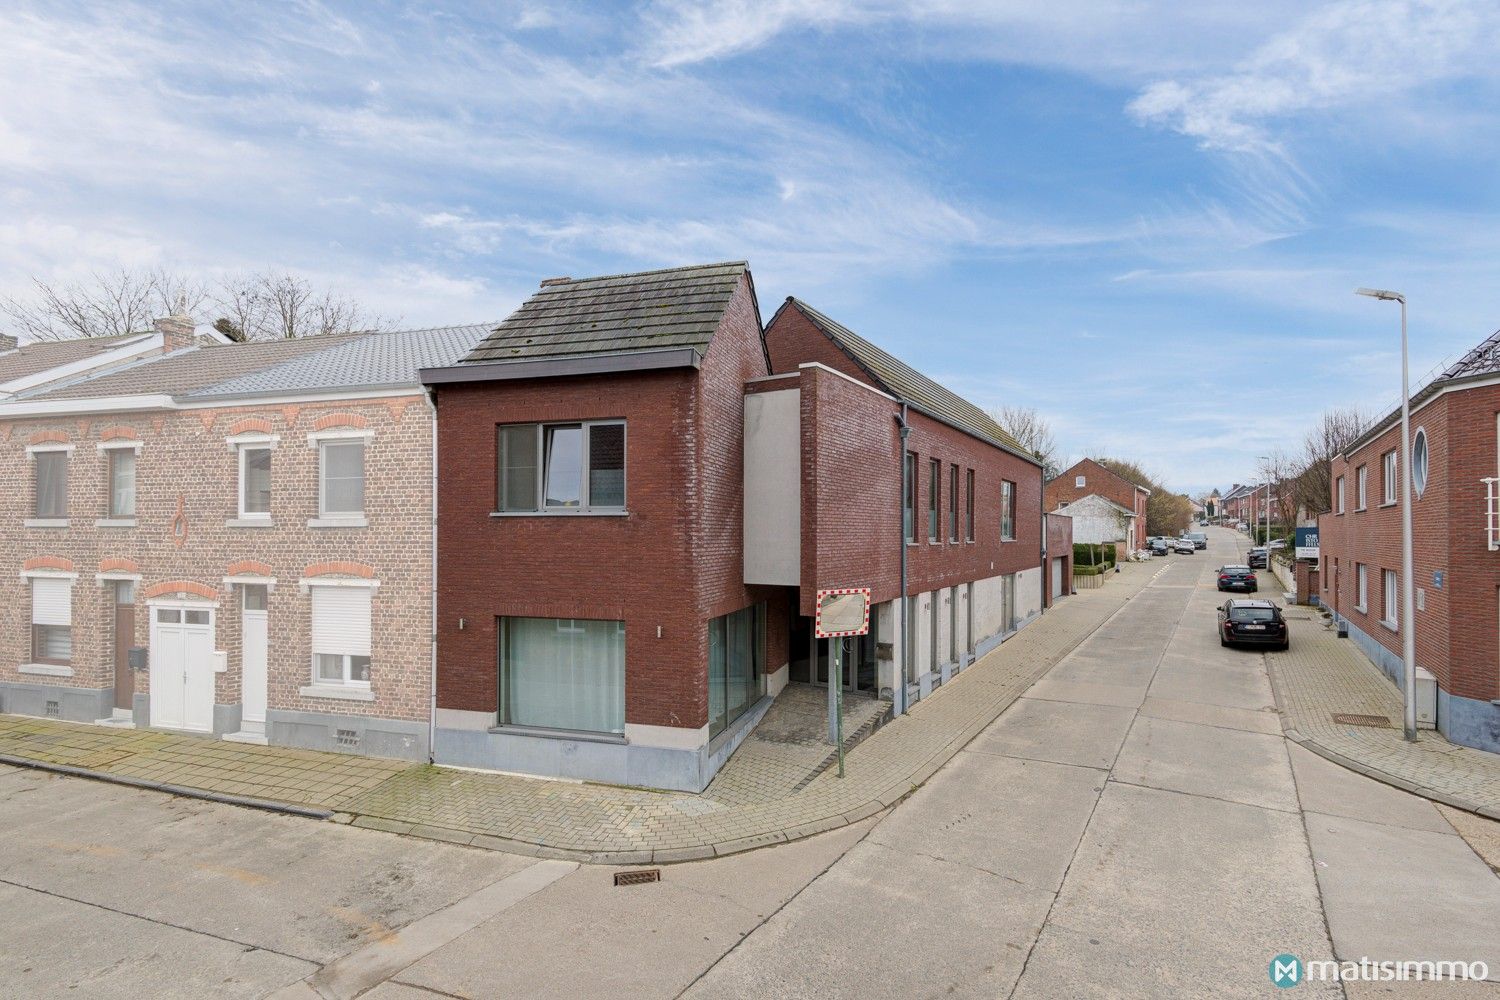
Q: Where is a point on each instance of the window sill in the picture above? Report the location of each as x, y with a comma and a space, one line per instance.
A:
115, 522
338, 522
46, 669
1388, 503
559, 513
249, 522
1389, 626
337, 693
46, 522
1362, 609
572, 735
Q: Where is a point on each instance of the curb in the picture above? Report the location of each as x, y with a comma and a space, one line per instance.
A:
267, 805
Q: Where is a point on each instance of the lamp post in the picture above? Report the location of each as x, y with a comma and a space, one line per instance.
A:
1408, 585
1265, 539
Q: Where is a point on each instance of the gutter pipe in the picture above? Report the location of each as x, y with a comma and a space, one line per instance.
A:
430, 394
899, 688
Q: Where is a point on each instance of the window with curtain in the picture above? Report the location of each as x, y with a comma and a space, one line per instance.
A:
736, 664
343, 472
51, 621
121, 482
561, 468
934, 490
51, 470
563, 673
341, 635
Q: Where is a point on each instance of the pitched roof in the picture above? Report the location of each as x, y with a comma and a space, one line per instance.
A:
39, 355
189, 369
377, 359
1481, 362
1098, 500
615, 314
906, 383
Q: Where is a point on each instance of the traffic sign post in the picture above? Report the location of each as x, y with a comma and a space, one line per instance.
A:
841, 612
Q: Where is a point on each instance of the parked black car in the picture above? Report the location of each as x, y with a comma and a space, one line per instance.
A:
1238, 578
1159, 547
1258, 558
1252, 622
1199, 539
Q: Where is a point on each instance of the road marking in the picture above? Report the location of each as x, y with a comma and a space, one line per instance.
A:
358, 971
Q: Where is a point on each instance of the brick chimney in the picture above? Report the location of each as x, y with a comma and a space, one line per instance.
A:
9, 342
176, 330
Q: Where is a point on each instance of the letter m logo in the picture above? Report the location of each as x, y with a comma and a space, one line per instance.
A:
1286, 970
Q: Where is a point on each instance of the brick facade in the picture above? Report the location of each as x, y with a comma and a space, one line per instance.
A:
1099, 480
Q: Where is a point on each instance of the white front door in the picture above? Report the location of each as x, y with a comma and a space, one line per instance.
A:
182, 670
253, 627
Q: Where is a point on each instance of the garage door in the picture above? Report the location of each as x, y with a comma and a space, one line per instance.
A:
1059, 568
182, 669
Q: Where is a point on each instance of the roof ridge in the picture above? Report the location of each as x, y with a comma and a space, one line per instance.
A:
642, 274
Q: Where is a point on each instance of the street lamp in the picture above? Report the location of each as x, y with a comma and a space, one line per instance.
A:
1265, 470
1408, 585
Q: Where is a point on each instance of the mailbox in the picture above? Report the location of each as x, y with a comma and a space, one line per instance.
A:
137, 657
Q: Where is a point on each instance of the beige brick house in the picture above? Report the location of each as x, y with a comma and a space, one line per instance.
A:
227, 539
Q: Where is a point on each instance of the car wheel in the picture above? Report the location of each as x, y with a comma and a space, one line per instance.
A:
1223, 641
1286, 645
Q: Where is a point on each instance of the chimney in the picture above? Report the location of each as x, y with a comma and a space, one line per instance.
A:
176, 330
555, 281
9, 342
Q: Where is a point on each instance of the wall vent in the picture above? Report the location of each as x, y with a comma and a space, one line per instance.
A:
346, 737
54, 710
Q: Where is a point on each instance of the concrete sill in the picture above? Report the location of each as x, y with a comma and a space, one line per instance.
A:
1388, 503
338, 522
1363, 611
572, 735
46, 522
249, 522
115, 522
1389, 626
337, 693
46, 669
559, 513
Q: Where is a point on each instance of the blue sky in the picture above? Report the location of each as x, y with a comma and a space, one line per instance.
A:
1144, 219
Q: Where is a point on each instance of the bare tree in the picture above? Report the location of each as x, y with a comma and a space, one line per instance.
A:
1031, 429
107, 304
1327, 439
1282, 472
268, 305
1167, 513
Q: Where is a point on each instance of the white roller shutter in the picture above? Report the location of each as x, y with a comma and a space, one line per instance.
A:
51, 602
341, 620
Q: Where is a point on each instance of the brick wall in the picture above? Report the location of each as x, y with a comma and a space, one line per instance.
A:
186, 484
1101, 481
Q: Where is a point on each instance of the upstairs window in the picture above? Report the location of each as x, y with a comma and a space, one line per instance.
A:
1338, 494
953, 503
934, 478
1079, 481
969, 508
562, 468
909, 503
121, 482
1419, 462
1361, 497
1007, 510
51, 469
341, 487
1388, 475
255, 482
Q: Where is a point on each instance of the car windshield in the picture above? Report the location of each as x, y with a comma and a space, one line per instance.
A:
1253, 614
1197, 536
1235, 570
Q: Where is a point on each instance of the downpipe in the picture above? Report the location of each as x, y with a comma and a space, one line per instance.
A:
898, 689
431, 398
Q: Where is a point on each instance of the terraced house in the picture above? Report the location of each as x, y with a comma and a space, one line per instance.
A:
641, 491
226, 539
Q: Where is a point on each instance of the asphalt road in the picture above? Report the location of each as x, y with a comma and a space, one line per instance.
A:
1135, 826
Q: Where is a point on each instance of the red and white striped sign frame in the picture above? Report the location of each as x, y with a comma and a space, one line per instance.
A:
841, 592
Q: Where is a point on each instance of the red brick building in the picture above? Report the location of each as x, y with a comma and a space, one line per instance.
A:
641, 492
1090, 478
1456, 543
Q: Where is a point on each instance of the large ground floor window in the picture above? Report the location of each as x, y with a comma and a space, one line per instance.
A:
563, 673
736, 664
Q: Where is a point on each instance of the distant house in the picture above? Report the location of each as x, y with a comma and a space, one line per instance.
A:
1098, 520
1089, 478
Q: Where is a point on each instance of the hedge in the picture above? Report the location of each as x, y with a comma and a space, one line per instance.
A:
1086, 554
1089, 570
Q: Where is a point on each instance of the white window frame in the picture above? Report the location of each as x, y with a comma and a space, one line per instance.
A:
1390, 595
347, 689
239, 444
1361, 588
1339, 490
47, 669
339, 519
1079, 482
32, 450
107, 450
1007, 511
1421, 461
1389, 471
1361, 487
586, 507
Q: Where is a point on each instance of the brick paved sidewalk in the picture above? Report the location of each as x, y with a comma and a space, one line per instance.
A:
1323, 675
750, 804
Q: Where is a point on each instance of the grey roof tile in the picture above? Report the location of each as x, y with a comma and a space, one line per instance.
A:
38, 356
905, 382
614, 314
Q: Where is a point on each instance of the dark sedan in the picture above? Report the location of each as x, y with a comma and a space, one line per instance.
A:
1258, 557
1253, 623
1238, 578
1158, 547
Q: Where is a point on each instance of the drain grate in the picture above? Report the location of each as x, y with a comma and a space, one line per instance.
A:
640, 877
1373, 721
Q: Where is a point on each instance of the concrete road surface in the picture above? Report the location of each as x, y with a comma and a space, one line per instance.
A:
1135, 827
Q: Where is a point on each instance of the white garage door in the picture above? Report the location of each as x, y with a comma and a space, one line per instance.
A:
1059, 567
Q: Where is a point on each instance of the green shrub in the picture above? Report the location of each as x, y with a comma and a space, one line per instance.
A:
1089, 570
1086, 554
